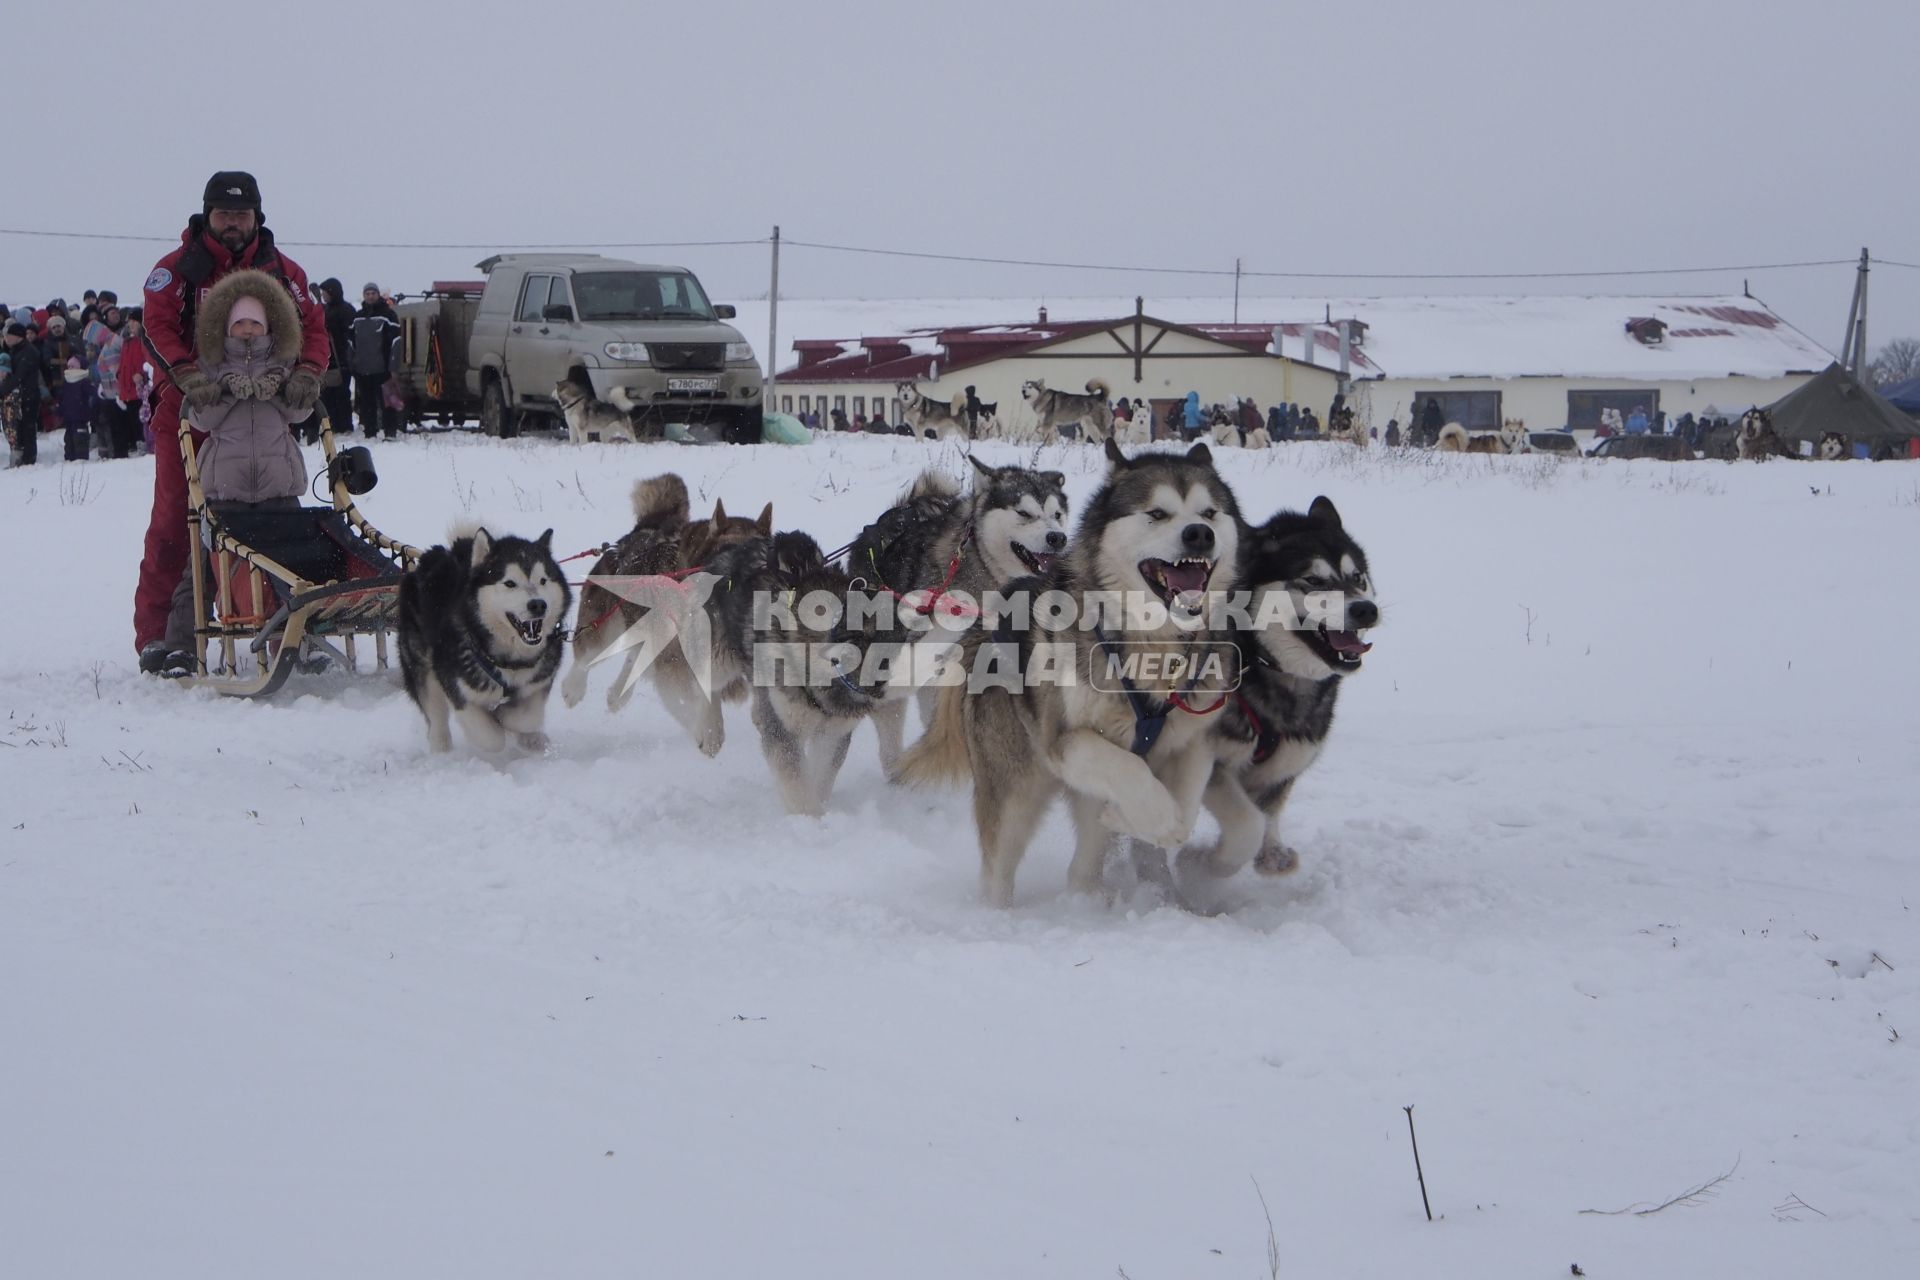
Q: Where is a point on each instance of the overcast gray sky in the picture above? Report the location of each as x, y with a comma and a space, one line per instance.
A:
1467, 136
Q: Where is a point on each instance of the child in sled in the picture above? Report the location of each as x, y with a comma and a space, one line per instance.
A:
246, 339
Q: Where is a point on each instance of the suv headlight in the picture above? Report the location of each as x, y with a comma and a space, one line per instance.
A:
632, 352
738, 351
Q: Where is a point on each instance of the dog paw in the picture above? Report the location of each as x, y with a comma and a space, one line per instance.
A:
534, 743
711, 740
1149, 815
1276, 860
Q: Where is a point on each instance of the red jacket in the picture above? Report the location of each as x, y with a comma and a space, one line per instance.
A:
133, 358
199, 263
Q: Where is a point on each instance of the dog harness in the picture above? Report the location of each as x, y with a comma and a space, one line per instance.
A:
927, 606
1266, 738
1147, 722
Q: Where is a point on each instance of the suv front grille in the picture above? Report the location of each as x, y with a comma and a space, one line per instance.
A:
688, 355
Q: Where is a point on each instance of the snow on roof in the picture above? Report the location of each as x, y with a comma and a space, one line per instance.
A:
1437, 336
1585, 337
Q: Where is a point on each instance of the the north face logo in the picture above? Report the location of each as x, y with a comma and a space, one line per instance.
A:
233, 191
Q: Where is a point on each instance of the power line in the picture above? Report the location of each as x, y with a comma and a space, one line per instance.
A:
367, 244
986, 260
1013, 262
1328, 275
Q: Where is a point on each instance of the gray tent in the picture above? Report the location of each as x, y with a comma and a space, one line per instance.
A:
1837, 401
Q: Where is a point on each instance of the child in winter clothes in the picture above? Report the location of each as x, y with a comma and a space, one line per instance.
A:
246, 340
75, 400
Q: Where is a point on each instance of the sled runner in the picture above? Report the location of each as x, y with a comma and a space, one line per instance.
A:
278, 578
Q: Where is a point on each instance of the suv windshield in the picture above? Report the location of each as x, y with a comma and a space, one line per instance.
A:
640, 295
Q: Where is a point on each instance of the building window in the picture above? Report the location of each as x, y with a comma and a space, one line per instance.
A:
786, 404
806, 404
859, 406
1474, 410
1585, 407
840, 403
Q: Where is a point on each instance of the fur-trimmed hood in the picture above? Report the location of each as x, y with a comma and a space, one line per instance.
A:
283, 318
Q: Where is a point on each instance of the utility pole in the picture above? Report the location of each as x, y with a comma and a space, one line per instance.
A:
773, 329
1853, 350
1860, 360
1236, 291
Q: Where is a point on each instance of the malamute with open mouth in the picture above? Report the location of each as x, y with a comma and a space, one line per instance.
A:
1131, 756
1758, 441
1011, 524
480, 638
1308, 640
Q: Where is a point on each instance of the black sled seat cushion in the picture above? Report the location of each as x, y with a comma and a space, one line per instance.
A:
316, 543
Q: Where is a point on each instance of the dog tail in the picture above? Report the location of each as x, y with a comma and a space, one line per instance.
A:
661, 496
464, 527
941, 755
958, 404
1096, 387
932, 483
621, 400
1453, 438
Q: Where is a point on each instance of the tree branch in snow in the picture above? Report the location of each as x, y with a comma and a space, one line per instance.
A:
1688, 1198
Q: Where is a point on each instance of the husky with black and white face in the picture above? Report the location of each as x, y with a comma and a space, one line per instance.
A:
481, 638
1312, 606
1159, 538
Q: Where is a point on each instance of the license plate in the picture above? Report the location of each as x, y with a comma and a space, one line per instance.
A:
693, 384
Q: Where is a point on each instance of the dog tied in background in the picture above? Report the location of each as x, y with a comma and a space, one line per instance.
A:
925, 414
589, 419
1055, 409
1757, 441
480, 638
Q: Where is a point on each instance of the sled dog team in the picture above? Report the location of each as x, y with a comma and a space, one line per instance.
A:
1213, 687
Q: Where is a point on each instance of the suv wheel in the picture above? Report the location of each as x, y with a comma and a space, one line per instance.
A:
745, 426
495, 418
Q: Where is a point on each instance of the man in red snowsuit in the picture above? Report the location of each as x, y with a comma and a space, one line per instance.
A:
229, 234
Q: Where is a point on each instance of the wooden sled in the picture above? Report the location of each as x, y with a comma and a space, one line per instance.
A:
278, 578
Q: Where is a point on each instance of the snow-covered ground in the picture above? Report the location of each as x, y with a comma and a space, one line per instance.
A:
1609, 872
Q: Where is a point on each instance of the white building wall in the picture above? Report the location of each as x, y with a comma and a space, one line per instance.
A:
1178, 365
1542, 402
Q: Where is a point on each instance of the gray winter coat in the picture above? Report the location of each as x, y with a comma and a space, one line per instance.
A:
250, 453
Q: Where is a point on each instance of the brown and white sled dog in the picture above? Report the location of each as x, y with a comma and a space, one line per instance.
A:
664, 540
1163, 530
1054, 409
1311, 598
1011, 524
922, 411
